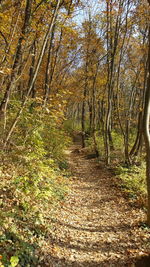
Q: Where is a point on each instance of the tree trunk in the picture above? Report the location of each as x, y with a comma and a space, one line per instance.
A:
83, 119
35, 73
48, 68
146, 120
5, 100
112, 45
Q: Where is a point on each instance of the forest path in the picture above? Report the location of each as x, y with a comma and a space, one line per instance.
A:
96, 226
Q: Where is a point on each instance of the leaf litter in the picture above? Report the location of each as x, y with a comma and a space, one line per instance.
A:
95, 225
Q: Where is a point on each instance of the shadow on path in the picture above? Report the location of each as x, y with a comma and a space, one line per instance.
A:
95, 226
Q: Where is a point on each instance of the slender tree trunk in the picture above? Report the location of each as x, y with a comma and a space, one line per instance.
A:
48, 75
146, 132
83, 118
108, 114
94, 110
31, 72
35, 73
112, 44
110, 139
90, 116
18, 55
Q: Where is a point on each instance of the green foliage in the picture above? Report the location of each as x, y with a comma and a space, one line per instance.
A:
14, 261
118, 144
72, 125
133, 179
100, 144
117, 141
33, 181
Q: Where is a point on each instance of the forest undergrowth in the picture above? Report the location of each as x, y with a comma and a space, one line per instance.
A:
129, 177
34, 180
38, 178
39, 181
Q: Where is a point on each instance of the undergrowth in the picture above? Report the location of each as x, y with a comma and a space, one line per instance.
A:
132, 178
133, 181
33, 182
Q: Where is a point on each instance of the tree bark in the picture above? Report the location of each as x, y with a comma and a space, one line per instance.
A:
83, 118
146, 133
48, 75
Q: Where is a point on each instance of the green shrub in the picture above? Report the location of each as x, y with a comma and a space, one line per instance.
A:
133, 179
71, 125
117, 141
32, 184
100, 144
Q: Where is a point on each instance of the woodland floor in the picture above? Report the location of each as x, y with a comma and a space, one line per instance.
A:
96, 225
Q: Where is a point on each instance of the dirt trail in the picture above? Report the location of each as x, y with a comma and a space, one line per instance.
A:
96, 226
